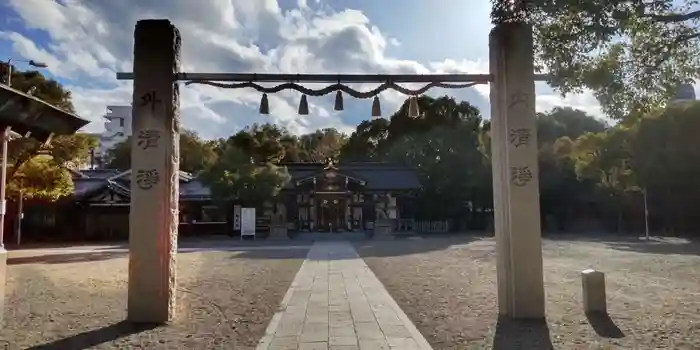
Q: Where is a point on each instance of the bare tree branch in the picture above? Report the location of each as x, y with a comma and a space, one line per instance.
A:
675, 17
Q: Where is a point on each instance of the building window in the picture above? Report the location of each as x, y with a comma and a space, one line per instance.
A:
121, 122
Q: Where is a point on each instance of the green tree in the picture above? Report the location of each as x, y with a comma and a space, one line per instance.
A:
195, 153
631, 53
234, 176
605, 158
41, 179
561, 190
363, 143
321, 145
373, 139
48, 90
451, 167
65, 150
445, 146
665, 159
119, 156
261, 142
566, 122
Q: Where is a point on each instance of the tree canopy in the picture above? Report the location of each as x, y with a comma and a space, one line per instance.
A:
247, 163
45, 89
632, 54
236, 175
41, 178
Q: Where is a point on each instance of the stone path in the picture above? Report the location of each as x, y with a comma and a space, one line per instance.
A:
336, 302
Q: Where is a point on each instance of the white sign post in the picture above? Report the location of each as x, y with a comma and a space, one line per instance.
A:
247, 222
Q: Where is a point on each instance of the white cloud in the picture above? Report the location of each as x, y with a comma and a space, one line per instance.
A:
91, 40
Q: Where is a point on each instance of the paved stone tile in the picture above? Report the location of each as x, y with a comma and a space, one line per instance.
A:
314, 332
337, 341
344, 347
402, 343
342, 332
284, 343
368, 330
313, 346
336, 302
374, 344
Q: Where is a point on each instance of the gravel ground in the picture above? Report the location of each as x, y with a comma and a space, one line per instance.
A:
78, 301
447, 286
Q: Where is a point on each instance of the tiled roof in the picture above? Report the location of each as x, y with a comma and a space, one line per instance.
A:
83, 187
378, 176
194, 189
118, 181
97, 173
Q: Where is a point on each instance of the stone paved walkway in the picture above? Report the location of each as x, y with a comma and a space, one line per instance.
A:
336, 302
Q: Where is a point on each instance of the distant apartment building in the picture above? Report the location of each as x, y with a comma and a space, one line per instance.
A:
117, 129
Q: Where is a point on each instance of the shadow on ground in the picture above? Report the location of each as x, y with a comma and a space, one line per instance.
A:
517, 334
376, 247
271, 254
221, 304
96, 337
659, 246
65, 258
634, 243
414, 245
603, 325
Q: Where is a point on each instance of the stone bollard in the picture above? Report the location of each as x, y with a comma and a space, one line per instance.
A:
593, 283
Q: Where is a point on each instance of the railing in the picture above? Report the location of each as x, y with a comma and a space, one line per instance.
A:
440, 226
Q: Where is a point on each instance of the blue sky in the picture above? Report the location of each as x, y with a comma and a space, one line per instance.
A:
86, 42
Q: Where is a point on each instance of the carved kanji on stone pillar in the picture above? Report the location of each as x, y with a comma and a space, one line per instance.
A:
153, 218
515, 183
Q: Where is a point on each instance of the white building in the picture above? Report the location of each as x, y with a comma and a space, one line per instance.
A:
117, 129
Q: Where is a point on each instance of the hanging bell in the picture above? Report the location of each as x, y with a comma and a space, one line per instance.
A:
303, 106
338, 101
413, 107
264, 105
376, 108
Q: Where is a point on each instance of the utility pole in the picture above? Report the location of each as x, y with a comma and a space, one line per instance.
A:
20, 212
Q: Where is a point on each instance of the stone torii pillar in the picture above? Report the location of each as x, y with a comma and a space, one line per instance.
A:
515, 173
155, 154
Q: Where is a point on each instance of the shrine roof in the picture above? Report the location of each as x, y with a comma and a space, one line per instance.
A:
25, 113
87, 182
377, 175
